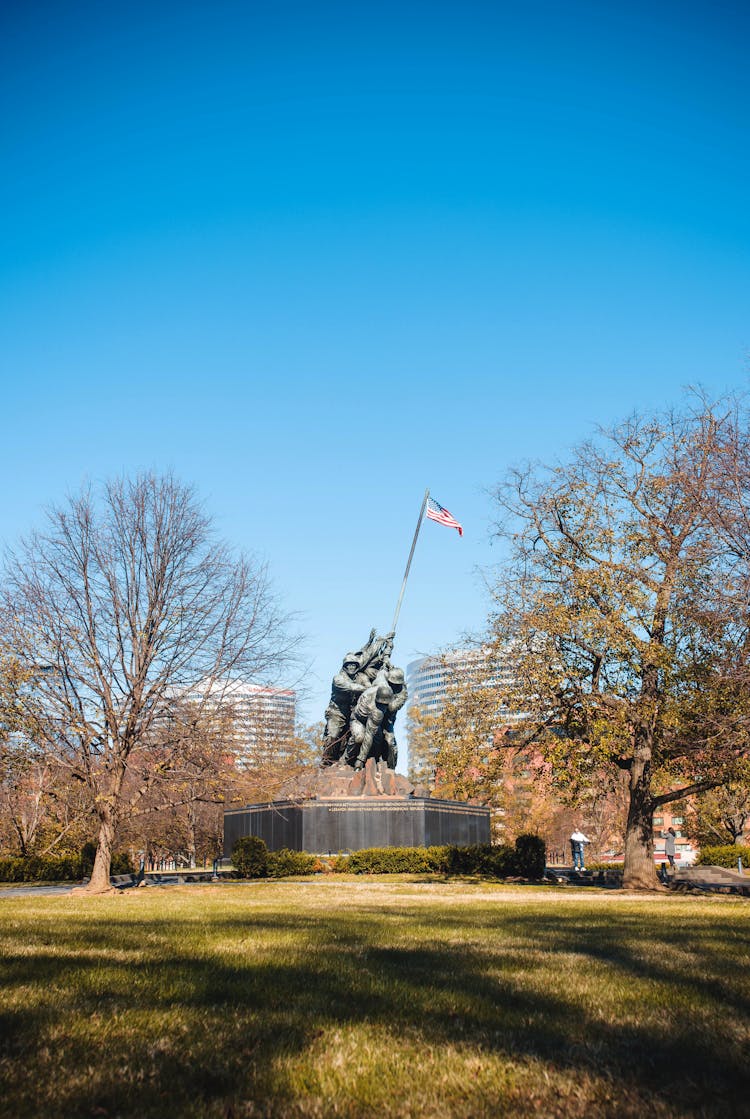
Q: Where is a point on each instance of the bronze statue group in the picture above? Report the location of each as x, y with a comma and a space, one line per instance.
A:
366, 696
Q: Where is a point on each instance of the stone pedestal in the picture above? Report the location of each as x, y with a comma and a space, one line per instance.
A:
329, 825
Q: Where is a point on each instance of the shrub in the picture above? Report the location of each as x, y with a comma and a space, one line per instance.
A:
338, 864
60, 868
250, 857
121, 864
726, 855
481, 858
397, 860
41, 868
530, 856
12, 869
525, 860
283, 863
88, 854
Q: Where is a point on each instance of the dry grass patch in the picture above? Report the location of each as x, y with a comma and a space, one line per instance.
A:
354, 997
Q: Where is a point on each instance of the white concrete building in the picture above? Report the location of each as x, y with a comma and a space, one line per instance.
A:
430, 679
265, 717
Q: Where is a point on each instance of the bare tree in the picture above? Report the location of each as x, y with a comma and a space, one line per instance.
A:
230, 757
121, 606
25, 785
626, 597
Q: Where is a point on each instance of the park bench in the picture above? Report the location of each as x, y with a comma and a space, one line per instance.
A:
122, 881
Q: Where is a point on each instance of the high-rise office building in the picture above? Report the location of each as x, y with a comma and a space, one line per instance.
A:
264, 717
430, 680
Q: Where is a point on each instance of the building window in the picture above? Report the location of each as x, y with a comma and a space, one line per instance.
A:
678, 819
658, 821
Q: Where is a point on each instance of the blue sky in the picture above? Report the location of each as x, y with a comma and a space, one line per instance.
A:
315, 257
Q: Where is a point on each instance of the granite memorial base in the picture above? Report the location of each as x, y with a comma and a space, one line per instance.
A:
334, 825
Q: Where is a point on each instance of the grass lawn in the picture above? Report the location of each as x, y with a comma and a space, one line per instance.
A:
363, 997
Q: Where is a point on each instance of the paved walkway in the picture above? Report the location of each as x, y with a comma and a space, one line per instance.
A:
119, 881
29, 888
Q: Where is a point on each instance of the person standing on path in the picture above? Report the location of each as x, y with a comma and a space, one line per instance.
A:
577, 843
669, 837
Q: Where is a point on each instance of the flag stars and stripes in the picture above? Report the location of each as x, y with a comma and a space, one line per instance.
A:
435, 512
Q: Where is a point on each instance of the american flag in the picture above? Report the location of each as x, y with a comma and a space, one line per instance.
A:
435, 512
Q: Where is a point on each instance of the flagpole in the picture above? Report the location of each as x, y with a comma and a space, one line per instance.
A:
408, 562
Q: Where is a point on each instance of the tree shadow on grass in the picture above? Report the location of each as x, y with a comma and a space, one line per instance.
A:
198, 1029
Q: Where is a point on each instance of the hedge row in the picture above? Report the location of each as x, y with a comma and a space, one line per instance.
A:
524, 860
726, 856
284, 863
394, 860
65, 868
251, 859
614, 870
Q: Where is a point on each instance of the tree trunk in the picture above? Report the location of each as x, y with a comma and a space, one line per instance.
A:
100, 883
22, 848
191, 844
639, 871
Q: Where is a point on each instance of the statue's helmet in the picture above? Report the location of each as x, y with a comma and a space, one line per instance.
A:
351, 658
395, 675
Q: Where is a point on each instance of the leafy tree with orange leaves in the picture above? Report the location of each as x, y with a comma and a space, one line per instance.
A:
625, 596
